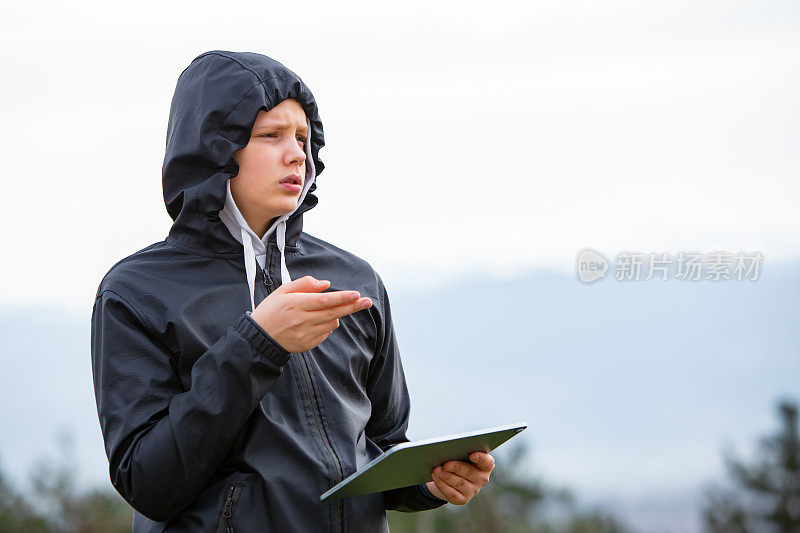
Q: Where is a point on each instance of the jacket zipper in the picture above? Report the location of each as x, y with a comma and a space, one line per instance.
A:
309, 390
326, 442
227, 510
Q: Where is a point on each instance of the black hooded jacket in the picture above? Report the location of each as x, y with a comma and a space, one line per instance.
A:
209, 424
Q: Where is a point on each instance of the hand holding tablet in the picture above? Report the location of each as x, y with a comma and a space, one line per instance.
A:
411, 463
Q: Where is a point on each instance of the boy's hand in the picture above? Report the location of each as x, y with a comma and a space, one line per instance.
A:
457, 481
299, 316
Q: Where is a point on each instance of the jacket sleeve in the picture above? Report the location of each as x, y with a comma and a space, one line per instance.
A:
388, 393
164, 442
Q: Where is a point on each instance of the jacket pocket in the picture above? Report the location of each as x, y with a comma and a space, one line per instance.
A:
232, 492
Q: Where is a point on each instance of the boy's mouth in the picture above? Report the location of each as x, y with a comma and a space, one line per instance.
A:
292, 178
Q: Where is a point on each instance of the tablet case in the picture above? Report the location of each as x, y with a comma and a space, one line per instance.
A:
411, 463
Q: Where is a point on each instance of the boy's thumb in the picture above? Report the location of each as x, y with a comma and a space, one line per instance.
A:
305, 284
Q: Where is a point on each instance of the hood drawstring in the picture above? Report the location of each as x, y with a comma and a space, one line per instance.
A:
255, 248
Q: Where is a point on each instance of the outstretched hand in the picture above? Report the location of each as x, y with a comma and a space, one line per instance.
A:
457, 481
299, 316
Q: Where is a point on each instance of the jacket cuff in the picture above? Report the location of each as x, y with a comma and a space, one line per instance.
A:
426, 493
260, 340
411, 499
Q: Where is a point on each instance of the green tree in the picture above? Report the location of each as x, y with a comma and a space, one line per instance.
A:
765, 492
71, 510
15, 513
56, 505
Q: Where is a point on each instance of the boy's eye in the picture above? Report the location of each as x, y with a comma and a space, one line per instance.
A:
303, 140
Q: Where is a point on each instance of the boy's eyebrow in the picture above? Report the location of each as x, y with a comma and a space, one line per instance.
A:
281, 124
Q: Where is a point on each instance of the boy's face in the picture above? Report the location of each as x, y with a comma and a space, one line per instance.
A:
275, 152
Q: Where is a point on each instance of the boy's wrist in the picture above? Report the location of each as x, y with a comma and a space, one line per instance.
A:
266, 345
426, 491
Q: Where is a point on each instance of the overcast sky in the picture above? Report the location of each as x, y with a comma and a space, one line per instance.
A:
482, 138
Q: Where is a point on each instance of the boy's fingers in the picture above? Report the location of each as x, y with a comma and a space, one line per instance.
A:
462, 485
304, 284
325, 328
449, 493
470, 472
454, 487
460, 468
325, 315
324, 300
317, 340
482, 460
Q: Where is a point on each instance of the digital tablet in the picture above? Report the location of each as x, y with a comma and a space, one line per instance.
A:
411, 463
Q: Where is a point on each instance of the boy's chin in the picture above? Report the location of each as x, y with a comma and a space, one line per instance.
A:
285, 209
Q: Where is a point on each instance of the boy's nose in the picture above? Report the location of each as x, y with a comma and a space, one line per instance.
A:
296, 155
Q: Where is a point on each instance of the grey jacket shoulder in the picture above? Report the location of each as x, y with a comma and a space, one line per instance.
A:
139, 263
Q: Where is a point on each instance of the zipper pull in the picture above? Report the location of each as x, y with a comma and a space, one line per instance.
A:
264, 277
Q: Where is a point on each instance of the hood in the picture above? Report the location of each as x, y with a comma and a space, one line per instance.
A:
217, 99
